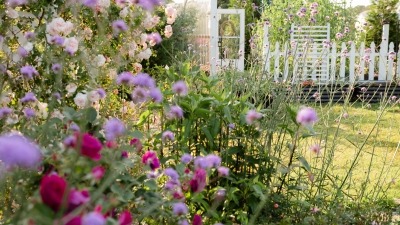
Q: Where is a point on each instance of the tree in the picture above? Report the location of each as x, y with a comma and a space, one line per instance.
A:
383, 11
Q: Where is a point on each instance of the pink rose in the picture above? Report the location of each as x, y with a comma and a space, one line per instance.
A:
52, 191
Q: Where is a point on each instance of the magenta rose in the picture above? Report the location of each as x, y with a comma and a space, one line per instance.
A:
53, 188
91, 147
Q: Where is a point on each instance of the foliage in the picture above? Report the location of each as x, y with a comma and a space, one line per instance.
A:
382, 12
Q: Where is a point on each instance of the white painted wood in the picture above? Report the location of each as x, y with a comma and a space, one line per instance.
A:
276, 65
398, 64
362, 62
382, 60
343, 57
371, 73
391, 56
286, 60
352, 63
333, 56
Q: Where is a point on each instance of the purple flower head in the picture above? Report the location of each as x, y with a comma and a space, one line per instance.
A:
74, 127
154, 38
30, 35
125, 78
119, 26
22, 52
29, 97
57, 95
171, 173
252, 115
306, 116
223, 171
28, 72
29, 113
15, 3
3, 69
186, 158
16, 150
56, 67
180, 88
90, 3
144, 80
175, 112
231, 126
93, 218
58, 40
113, 128
4, 111
156, 95
213, 160
139, 95
149, 4
70, 141
183, 222
172, 184
179, 208
101, 92
167, 136
202, 162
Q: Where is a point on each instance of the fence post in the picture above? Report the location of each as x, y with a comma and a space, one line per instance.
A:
213, 37
383, 52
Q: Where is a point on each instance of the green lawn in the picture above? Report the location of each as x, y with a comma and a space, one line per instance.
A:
368, 134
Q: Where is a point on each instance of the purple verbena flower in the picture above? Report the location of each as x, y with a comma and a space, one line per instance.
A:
149, 4
15, 3
28, 71
306, 116
156, 95
167, 136
113, 128
223, 171
93, 218
90, 3
154, 38
101, 92
171, 173
30, 35
29, 97
22, 52
56, 67
252, 115
119, 26
186, 158
5, 111
201, 162
17, 150
29, 113
179, 208
175, 112
213, 160
139, 95
180, 88
144, 80
125, 78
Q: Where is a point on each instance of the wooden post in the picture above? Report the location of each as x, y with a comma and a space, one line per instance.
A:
213, 37
383, 52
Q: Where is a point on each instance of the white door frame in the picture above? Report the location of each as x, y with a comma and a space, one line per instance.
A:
215, 59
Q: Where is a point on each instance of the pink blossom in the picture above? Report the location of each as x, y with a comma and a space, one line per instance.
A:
98, 172
150, 159
252, 115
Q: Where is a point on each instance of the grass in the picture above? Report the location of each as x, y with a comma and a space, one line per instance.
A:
369, 135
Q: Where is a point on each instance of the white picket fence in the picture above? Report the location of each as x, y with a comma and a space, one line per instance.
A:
346, 64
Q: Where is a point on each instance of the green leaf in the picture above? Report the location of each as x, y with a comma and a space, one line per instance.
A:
208, 135
91, 114
304, 163
227, 113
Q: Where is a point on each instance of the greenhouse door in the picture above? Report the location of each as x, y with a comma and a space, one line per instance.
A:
230, 53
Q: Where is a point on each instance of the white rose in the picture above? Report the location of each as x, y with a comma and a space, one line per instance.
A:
4, 100
12, 13
138, 67
168, 31
28, 46
54, 27
144, 54
100, 60
42, 112
94, 96
57, 114
71, 45
71, 88
12, 119
124, 12
80, 100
